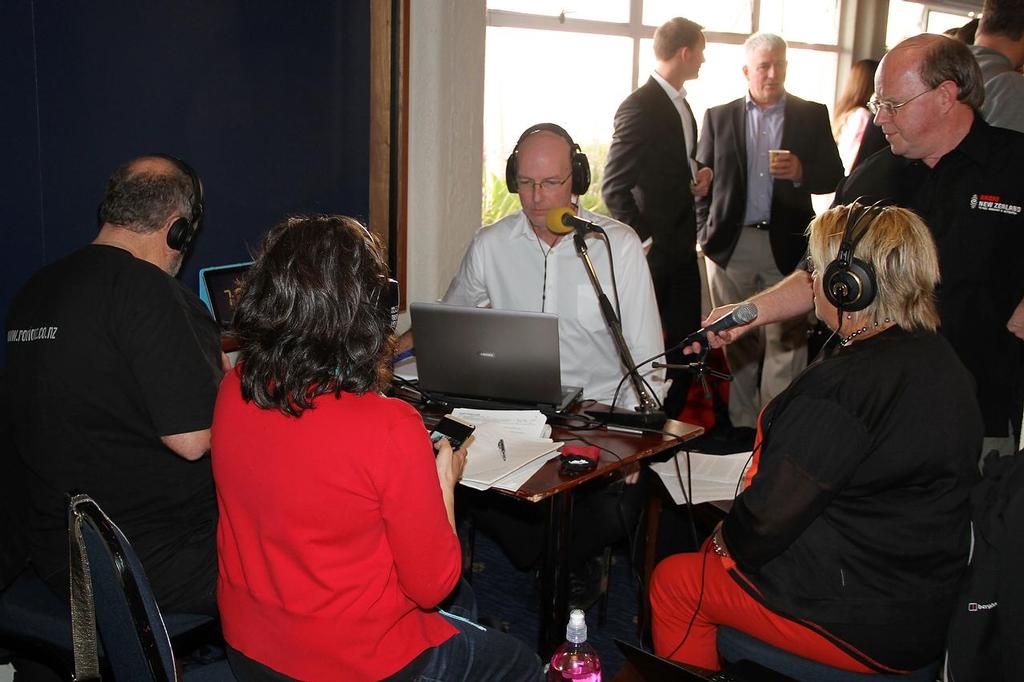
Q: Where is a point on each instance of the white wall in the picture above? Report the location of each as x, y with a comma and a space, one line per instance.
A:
446, 110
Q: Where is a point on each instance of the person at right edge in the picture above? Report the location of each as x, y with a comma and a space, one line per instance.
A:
999, 49
848, 541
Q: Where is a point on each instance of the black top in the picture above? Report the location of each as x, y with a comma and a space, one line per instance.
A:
647, 186
106, 353
857, 517
972, 201
647, 175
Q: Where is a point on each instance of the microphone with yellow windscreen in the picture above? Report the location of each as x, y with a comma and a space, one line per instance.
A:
559, 220
563, 220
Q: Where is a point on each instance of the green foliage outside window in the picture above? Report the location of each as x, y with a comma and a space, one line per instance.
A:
498, 202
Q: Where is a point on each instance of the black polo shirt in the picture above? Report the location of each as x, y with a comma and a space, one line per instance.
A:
972, 202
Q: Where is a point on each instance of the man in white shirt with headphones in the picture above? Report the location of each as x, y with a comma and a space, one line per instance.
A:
518, 263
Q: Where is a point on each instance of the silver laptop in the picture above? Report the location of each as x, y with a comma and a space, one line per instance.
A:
485, 356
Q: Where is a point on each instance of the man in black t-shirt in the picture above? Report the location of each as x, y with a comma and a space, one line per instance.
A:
963, 177
113, 369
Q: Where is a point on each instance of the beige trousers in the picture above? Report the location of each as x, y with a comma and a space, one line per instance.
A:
763, 362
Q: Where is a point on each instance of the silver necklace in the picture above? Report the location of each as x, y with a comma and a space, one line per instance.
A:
846, 341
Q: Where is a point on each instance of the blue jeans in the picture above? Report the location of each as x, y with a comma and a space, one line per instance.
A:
477, 653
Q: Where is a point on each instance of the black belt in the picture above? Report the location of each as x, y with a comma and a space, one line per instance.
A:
763, 225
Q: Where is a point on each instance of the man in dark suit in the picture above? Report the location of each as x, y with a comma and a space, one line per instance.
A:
769, 151
650, 180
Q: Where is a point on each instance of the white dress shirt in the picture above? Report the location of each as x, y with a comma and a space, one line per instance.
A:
506, 266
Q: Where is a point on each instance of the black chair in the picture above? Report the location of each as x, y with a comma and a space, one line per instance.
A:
735, 646
34, 626
109, 589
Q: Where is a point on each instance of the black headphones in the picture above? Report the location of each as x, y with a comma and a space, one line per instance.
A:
580, 164
386, 297
848, 282
182, 230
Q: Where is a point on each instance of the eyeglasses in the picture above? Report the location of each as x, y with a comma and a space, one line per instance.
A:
543, 185
876, 105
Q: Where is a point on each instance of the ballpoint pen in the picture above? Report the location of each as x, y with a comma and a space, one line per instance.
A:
501, 449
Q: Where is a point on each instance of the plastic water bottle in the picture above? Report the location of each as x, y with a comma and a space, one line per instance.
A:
575, 660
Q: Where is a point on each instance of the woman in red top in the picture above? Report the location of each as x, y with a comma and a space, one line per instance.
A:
337, 535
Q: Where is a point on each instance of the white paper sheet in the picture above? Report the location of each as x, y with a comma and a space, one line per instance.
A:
528, 423
713, 478
484, 463
516, 479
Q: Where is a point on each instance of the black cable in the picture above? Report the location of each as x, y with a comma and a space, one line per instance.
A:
632, 541
678, 346
687, 496
839, 324
618, 386
591, 423
425, 399
707, 548
594, 423
595, 445
544, 284
611, 266
618, 313
572, 422
411, 384
700, 600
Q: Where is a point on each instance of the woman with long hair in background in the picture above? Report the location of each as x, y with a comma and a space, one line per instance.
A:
856, 135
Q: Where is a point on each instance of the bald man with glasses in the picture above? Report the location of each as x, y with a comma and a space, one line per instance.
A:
519, 263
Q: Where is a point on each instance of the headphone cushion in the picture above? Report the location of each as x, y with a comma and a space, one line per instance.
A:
179, 234
511, 171
580, 172
850, 287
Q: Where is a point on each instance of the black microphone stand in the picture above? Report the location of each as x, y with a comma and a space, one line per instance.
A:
647, 414
699, 368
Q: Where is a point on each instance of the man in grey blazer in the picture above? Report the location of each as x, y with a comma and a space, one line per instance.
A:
651, 178
769, 151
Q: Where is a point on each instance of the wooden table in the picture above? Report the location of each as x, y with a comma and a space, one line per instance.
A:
618, 449
550, 485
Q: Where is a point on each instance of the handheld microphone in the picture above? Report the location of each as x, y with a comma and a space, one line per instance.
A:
562, 220
740, 315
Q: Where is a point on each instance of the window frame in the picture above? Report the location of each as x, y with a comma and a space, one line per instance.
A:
637, 30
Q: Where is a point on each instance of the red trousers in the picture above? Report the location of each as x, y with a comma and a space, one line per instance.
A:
692, 594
